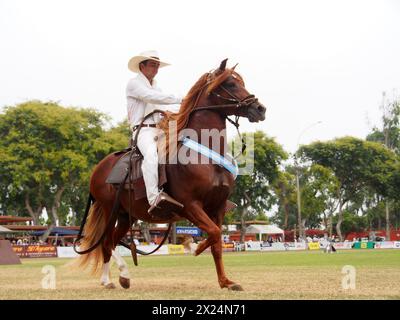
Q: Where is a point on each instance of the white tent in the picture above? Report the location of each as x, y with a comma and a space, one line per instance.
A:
5, 230
264, 229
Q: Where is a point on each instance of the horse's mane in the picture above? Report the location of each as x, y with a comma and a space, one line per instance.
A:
209, 82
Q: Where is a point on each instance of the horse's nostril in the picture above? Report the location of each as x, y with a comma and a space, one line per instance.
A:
261, 108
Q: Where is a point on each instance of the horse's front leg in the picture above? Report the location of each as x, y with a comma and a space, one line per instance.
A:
195, 213
216, 250
199, 217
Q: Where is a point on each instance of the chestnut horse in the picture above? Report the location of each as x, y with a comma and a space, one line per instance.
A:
203, 189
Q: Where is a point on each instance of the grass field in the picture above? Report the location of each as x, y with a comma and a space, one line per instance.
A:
272, 275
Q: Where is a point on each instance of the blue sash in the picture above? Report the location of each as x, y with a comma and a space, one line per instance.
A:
230, 165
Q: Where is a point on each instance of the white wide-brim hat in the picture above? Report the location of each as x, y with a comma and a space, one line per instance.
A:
134, 62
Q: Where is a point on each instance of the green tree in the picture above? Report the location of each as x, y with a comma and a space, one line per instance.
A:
389, 135
48, 154
318, 191
319, 188
285, 192
357, 164
352, 222
254, 191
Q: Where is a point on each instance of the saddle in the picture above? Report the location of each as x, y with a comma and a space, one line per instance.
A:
120, 171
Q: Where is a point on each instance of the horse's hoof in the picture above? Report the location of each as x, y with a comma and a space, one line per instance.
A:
235, 287
110, 286
193, 248
124, 282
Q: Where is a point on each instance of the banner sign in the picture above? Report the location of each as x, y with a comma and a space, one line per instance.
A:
124, 252
274, 246
33, 251
313, 246
283, 246
193, 231
66, 252
342, 245
228, 247
289, 246
396, 245
384, 245
363, 245
252, 246
176, 249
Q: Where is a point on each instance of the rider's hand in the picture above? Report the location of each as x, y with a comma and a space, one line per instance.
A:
167, 114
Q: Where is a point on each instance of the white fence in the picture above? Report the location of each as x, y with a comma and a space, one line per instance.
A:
68, 252
292, 246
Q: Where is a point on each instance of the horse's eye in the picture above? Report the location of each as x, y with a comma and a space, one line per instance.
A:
230, 85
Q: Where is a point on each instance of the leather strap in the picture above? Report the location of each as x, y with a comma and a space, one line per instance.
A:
149, 125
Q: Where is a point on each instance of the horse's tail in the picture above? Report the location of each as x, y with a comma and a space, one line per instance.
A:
94, 229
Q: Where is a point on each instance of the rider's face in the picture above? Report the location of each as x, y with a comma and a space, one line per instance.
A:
150, 69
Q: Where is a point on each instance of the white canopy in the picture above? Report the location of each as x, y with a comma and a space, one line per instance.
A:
264, 229
4, 229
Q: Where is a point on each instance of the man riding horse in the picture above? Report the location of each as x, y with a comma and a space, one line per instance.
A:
144, 96
110, 211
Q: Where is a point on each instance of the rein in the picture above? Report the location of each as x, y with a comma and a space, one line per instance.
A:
236, 124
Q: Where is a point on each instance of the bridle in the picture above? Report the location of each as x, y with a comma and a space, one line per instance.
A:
235, 103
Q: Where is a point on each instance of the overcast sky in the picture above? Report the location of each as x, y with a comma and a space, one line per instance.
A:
307, 61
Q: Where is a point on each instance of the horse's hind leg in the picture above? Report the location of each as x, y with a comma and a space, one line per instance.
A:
120, 231
109, 244
105, 276
107, 247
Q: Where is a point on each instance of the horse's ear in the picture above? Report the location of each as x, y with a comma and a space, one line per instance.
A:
223, 65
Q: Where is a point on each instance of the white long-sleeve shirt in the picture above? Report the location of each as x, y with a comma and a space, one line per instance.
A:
143, 98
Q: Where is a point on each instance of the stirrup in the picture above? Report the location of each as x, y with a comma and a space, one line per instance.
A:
165, 204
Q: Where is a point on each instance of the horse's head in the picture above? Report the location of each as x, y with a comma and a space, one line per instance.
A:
221, 91
226, 94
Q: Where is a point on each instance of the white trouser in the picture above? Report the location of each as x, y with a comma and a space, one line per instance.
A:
148, 147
